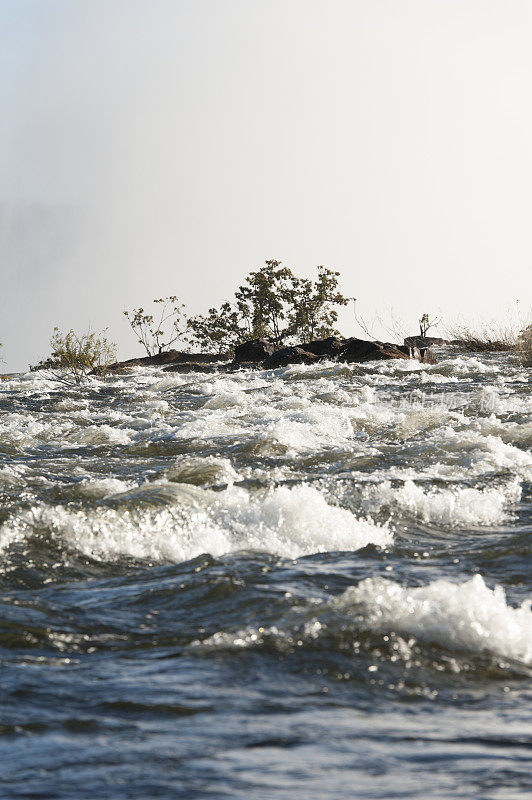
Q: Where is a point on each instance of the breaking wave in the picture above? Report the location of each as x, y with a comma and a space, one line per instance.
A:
455, 507
458, 616
467, 618
176, 522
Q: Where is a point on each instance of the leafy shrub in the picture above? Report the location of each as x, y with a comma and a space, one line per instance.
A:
272, 303
217, 331
311, 306
78, 355
157, 333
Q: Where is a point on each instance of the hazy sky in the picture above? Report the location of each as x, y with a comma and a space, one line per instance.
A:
151, 147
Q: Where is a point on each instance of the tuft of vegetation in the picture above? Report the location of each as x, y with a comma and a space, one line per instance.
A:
313, 314
272, 303
157, 333
484, 338
78, 355
263, 302
425, 324
218, 331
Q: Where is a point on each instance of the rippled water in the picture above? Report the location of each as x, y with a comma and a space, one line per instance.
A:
304, 583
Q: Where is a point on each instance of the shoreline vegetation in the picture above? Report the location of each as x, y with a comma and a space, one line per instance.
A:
275, 319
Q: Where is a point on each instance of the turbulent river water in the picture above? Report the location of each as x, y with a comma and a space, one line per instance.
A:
306, 583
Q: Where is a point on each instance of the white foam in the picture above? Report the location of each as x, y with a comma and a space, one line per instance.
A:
101, 435
13, 475
303, 427
19, 427
459, 616
288, 522
493, 453
394, 366
298, 521
227, 399
509, 432
71, 404
98, 488
455, 507
482, 453
200, 471
289, 419
464, 367
415, 420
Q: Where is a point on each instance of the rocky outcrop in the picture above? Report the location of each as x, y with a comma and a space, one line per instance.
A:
146, 361
426, 356
262, 353
419, 347
169, 357
360, 350
289, 355
254, 351
192, 367
328, 348
424, 341
200, 358
351, 350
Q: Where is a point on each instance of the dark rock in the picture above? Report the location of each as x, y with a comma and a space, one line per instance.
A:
424, 341
114, 369
359, 350
192, 367
169, 357
262, 352
329, 347
147, 361
289, 355
426, 356
200, 358
389, 351
254, 350
410, 350
391, 347
234, 366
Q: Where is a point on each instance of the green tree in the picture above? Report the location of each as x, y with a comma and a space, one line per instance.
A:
311, 305
77, 355
263, 299
157, 333
273, 303
219, 331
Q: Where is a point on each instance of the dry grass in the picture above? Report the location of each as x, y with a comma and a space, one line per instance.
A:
513, 336
483, 338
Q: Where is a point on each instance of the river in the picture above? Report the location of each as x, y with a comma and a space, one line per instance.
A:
307, 583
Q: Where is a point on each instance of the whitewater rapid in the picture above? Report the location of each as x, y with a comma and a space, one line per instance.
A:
320, 542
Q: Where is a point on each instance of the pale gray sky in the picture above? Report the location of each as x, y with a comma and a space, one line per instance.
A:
156, 147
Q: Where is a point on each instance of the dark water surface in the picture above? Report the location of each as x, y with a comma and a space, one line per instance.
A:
304, 583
